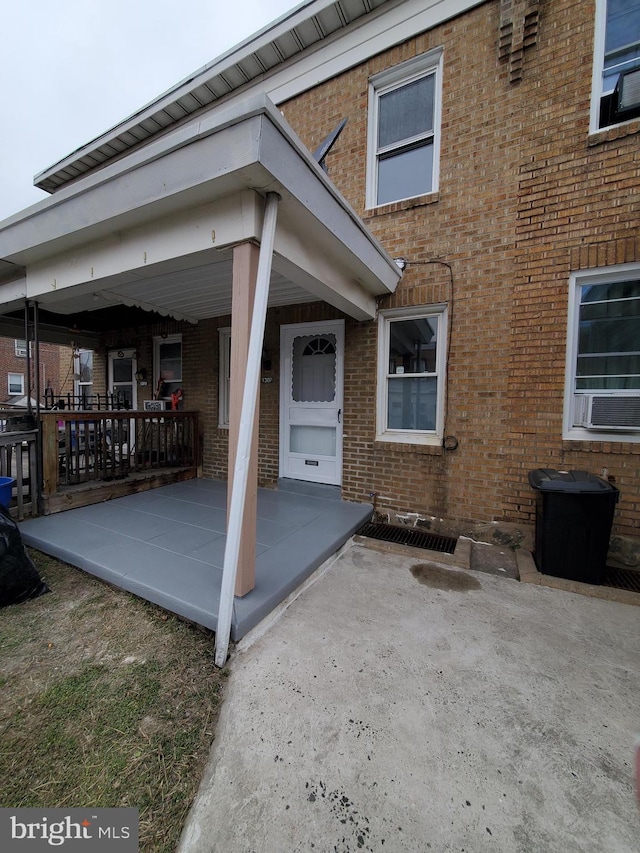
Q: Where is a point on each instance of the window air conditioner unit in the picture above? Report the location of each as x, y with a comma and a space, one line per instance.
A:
155, 405
626, 95
608, 411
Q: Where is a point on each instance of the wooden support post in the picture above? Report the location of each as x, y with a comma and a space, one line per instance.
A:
49, 423
245, 270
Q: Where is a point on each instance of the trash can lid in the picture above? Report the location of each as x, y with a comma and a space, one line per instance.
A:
550, 480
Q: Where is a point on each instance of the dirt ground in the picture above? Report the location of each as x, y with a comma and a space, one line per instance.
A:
105, 701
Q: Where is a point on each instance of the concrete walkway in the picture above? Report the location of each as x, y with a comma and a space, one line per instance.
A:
404, 705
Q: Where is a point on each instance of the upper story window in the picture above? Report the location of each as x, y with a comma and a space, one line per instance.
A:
616, 73
167, 365
404, 130
15, 383
411, 370
602, 397
20, 348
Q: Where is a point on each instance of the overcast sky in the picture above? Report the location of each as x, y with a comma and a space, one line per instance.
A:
71, 69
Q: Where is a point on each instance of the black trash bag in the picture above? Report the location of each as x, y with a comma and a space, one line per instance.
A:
19, 578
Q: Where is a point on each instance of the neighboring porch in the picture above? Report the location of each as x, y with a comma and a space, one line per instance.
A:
167, 545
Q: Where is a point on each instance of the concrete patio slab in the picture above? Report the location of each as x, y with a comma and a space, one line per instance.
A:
401, 703
167, 545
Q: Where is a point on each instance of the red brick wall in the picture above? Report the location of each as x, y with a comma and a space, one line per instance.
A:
525, 196
577, 209
10, 363
469, 224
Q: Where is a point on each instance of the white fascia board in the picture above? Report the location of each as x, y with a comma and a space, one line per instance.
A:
193, 232
356, 46
236, 54
10, 272
302, 262
152, 178
13, 294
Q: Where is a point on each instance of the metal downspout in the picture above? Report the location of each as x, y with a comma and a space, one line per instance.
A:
36, 346
39, 461
27, 306
247, 419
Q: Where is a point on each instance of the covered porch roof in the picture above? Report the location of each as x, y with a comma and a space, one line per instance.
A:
173, 228
156, 229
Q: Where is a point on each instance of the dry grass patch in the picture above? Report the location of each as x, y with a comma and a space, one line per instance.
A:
105, 701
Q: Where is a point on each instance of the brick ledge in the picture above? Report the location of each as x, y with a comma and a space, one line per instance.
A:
610, 134
397, 206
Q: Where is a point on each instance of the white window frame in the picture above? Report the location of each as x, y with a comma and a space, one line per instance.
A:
224, 376
20, 348
385, 319
394, 78
577, 280
19, 376
157, 342
79, 385
598, 68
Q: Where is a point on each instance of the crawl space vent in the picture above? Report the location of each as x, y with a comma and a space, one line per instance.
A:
409, 536
622, 578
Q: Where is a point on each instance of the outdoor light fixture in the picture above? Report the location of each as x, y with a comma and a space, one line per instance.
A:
401, 263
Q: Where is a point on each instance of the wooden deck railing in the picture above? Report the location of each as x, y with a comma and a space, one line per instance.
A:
18, 460
81, 447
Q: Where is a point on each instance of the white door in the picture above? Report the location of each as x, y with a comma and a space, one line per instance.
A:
311, 383
122, 378
124, 390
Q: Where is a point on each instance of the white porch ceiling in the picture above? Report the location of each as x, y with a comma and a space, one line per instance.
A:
189, 293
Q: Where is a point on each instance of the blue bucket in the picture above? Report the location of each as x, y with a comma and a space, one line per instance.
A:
6, 490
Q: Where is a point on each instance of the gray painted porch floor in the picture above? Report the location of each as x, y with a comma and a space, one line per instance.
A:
167, 545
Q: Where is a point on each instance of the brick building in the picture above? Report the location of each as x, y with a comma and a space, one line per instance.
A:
490, 153
14, 374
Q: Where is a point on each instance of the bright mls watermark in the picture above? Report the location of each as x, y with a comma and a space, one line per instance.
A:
87, 830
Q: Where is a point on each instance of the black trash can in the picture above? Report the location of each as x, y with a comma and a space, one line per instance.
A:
574, 515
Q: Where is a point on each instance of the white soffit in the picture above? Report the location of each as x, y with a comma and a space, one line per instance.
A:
305, 47
190, 294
